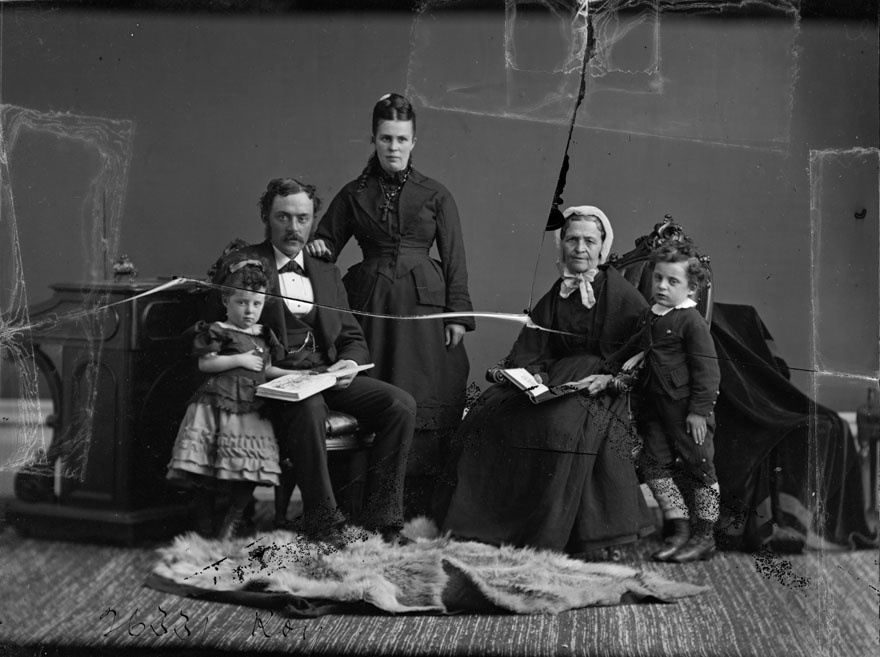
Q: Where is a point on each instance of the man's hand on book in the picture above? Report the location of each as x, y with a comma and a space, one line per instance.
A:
343, 382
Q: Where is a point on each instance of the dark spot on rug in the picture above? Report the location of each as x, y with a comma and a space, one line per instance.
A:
239, 573
771, 566
259, 554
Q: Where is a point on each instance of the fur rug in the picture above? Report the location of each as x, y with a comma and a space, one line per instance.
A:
432, 574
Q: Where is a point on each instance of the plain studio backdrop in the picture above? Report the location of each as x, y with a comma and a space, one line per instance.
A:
152, 132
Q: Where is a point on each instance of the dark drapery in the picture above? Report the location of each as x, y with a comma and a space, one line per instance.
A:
775, 446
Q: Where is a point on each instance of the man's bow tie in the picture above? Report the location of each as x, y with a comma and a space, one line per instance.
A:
292, 266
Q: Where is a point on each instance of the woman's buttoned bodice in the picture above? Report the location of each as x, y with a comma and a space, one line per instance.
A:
397, 244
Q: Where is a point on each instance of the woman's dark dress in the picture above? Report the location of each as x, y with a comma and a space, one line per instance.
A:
559, 474
398, 277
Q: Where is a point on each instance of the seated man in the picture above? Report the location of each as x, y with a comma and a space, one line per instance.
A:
312, 321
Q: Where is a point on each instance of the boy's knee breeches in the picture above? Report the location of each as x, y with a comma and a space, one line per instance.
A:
664, 429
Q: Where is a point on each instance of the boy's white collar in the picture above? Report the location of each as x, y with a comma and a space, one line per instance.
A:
659, 310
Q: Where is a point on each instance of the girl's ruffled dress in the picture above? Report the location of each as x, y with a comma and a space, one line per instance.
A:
224, 435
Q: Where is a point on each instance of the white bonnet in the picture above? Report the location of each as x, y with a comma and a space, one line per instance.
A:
590, 211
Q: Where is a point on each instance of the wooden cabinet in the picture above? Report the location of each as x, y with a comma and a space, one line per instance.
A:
120, 374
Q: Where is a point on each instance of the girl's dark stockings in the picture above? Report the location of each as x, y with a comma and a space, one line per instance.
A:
240, 495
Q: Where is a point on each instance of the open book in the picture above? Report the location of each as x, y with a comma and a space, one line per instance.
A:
299, 385
538, 392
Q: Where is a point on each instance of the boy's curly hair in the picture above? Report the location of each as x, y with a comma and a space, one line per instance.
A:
682, 252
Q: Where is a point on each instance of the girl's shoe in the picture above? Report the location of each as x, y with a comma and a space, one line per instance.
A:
233, 524
230, 526
204, 508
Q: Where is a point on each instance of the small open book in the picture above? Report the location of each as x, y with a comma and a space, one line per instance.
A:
299, 385
538, 392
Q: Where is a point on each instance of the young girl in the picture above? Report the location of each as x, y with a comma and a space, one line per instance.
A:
680, 384
224, 442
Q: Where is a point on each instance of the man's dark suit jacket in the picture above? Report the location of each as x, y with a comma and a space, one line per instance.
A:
337, 332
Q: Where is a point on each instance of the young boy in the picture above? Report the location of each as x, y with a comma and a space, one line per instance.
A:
680, 384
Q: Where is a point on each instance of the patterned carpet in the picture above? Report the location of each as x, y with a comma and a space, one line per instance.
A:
67, 598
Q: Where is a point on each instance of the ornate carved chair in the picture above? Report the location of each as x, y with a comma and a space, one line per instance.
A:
637, 268
636, 265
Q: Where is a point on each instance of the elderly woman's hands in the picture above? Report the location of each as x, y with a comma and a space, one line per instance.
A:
595, 383
633, 362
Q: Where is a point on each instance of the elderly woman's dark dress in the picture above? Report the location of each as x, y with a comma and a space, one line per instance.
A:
558, 474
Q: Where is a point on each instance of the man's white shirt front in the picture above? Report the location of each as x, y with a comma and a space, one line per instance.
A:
297, 290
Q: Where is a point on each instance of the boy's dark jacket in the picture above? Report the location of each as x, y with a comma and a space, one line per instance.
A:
680, 359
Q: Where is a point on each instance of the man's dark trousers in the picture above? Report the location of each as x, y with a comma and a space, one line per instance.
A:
379, 407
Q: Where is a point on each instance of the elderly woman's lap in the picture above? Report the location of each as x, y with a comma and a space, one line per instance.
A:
541, 475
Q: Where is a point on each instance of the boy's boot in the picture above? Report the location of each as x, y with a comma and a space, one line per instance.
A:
681, 532
700, 546
675, 511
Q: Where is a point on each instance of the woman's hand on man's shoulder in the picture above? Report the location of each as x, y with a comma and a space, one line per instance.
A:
319, 249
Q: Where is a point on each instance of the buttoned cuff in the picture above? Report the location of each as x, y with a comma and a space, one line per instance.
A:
703, 407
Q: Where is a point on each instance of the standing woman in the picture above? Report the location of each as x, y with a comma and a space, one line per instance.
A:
396, 214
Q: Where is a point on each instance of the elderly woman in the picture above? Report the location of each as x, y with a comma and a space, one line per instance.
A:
558, 474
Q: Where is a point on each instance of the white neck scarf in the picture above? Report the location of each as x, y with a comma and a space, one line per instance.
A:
581, 281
